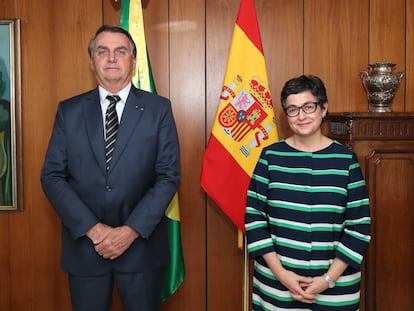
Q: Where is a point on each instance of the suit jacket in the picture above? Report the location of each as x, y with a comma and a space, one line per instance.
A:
136, 189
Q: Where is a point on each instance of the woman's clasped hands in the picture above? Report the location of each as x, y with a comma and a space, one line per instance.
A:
303, 289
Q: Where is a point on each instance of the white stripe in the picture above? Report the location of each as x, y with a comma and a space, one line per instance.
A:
304, 225
308, 206
338, 298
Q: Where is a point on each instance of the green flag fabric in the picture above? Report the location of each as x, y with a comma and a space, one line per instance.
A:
132, 20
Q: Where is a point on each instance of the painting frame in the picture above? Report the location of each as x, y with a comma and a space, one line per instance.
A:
11, 175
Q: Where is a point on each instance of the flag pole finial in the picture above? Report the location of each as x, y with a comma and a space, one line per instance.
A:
116, 4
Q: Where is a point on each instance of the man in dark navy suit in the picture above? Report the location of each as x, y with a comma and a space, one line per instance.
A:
112, 210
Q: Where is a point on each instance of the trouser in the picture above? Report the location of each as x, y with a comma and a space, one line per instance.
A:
138, 291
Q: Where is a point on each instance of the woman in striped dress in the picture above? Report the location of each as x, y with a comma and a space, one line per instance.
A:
307, 213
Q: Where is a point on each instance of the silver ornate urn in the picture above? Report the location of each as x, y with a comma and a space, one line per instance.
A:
381, 84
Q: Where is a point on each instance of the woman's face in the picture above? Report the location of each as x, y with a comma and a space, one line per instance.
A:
305, 124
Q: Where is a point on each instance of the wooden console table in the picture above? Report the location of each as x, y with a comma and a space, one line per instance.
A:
384, 145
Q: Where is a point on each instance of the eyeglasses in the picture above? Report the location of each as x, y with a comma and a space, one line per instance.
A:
309, 107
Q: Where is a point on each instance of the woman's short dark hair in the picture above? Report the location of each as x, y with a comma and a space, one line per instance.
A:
302, 84
114, 29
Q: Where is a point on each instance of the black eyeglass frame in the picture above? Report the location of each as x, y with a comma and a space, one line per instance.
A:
298, 108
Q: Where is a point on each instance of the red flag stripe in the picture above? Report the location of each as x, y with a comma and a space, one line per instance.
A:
225, 181
247, 21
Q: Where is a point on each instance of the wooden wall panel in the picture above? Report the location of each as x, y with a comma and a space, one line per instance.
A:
157, 37
187, 93
409, 63
5, 292
281, 27
387, 39
388, 272
111, 12
336, 49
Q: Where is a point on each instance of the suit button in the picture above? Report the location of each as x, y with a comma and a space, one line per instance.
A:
108, 188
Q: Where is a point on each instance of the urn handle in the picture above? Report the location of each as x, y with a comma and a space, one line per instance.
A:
400, 75
363, 75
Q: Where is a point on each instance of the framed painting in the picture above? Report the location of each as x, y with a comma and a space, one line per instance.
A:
11, 195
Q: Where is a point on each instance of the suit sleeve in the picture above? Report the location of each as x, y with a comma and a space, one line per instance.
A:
73, 212
165, 180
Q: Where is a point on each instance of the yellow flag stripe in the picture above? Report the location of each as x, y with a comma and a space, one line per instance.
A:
136, 29
173, 210
251, 60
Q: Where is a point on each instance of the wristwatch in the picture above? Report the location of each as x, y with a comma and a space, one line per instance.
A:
331, 283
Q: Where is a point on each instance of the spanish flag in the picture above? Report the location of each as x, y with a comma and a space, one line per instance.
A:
133, 21
244, 121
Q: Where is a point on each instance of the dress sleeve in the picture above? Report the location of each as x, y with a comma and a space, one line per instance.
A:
259, 240
357, 225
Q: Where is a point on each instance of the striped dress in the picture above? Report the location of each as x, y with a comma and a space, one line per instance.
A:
308, 207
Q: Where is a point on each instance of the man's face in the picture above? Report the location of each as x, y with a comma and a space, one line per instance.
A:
112, 61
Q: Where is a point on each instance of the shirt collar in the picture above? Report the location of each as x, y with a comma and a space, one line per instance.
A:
122, 93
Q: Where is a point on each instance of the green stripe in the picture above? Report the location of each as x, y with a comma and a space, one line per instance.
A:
300, 170
348, 283
357, 235
280, 298
356, 184
267, 274
358, 203
260, 179
308, 248
175, 272
302, 188
337, 304
257, 196
259, 246
309, 154
305, 227
256, 225
151, 78
263, 161
305, 208
124, 20
354, 166
349, 255
305, 266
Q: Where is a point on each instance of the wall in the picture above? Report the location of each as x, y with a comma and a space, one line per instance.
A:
188, 42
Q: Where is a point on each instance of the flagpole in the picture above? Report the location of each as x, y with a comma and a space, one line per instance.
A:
246, 278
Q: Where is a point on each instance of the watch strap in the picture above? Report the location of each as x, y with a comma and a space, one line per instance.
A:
331, 283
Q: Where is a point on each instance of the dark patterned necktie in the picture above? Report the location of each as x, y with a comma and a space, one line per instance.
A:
111, 126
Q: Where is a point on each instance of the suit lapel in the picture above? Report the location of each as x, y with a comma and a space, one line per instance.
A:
133, 110
94, 125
